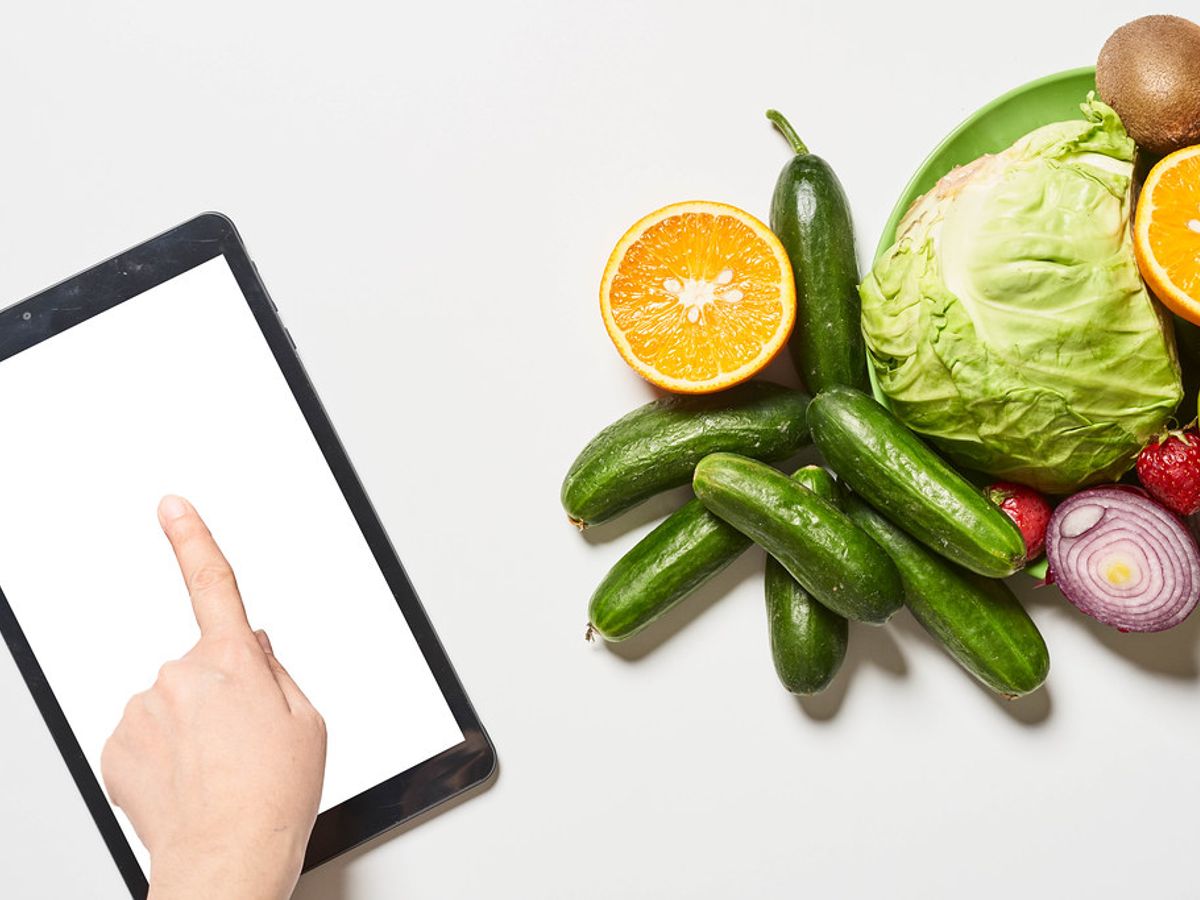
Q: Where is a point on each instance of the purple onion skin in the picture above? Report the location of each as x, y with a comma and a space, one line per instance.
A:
1113, 523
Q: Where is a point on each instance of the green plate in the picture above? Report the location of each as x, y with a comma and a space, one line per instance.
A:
990, 129
993, 127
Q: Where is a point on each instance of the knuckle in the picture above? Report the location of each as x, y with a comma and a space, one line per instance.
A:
232, 654
134, 707
209, 576
108, 755
110, 767
172, 682
175, 684
168, 673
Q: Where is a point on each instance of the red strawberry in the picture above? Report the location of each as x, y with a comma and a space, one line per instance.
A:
1169, 469
1028, 509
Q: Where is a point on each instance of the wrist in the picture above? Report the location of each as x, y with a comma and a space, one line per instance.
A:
196, 874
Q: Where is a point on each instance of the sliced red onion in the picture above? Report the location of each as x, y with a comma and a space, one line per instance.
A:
1123, 559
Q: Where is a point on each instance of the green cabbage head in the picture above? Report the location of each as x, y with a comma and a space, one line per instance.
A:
1008, 322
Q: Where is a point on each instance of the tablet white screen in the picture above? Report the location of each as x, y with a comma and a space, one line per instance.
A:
176, 391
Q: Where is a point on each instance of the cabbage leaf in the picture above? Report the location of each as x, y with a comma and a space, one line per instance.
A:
1008, 322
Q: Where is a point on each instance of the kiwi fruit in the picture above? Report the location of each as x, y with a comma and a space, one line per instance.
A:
1149, 72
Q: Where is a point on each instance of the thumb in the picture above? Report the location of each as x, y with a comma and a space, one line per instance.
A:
291, 691
265, 643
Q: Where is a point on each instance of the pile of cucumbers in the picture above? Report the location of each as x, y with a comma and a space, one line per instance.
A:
897, 527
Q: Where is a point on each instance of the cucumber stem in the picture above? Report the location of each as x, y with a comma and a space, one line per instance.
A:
786, 129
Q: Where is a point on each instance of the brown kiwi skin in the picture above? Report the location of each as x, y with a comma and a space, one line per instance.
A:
1149, 72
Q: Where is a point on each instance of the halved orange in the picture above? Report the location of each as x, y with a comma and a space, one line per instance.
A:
1166, 234
698, 296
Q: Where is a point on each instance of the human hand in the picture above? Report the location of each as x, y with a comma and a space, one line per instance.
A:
219, 765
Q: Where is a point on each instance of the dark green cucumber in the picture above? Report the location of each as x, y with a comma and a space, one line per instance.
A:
893, 470
831, 557
687, 548
978, 620
808, 641
811, 217
657, 446
820, 482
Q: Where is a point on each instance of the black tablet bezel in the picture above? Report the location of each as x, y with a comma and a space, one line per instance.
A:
466, 765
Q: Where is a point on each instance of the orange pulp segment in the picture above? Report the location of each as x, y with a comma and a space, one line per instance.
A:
1167, 232
698, 296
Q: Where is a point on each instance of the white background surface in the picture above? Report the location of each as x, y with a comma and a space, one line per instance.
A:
430, 193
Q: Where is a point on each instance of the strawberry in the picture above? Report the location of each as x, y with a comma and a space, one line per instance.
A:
1028, 509
1169, 469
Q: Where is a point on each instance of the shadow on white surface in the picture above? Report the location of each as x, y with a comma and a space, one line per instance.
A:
1174, 653
332, 881
867, 644
1033, 709
745, 566
657, 507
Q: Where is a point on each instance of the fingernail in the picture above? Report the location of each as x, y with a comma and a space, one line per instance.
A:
171, 508
264, 641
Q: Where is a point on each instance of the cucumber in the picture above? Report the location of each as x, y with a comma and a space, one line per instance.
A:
657, 446
978, 620
831, 557
893, 470
684, 551
808, 641
811, 217
687, 548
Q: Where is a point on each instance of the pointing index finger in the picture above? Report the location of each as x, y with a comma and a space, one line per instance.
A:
211, 585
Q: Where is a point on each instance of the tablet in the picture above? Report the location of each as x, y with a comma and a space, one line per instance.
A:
167, 369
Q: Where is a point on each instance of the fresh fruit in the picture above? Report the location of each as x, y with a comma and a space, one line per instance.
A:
811, 216
1028, 509
657, 446
687, 548
822, 549
698, 296
808, 641
1169, 470
1124, 560
1166, 235
895, 472
978, 620
1149, 72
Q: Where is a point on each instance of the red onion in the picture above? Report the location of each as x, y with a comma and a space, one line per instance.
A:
1123, 559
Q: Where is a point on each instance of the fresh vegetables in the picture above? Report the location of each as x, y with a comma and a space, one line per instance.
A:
656, 446
1123, 560
1149, 72
808, 641
1166, 233
1169, 470
687, 548
822, 549
698, 296
977, 620
1008, 322
1028, 509
810, 214
895, 472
